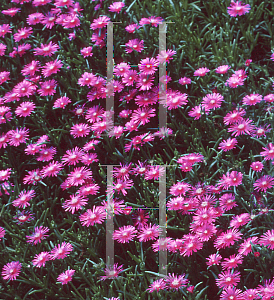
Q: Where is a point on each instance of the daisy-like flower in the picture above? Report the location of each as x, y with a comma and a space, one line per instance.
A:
124, 234
11, 11
3, 48
240, 220
4, 29
88, 79
174, 99
2, 232
35, 18
90, 189
242, 127
23, 217
36, 3
234, 81
75, 203
228, 144
22, 33
41, 259
23, 198
90, 217
25, 109
72, 157
174, 282
154, 172
66, 276
24, 88
48, 88
227, 201
165, 56
184, 80
61, 251
79, 175
180, 188
195, 112
205, 232
134, 44
261, 131
213, 259
100, 22
39, 234
269, 152
48, 20
269, 98
142, 116
132, 27
4, 76
257, 166
264, 183
86, 51
122, 172
11, 270
228, 279
212, 101
232, 262
52, 169
148, 232
201, 72
204, 215
121, 69
80, 130
5, 174
62, 3
250, 294
175, 203
157, 286
46, 50
51, 67
234, 116
252, 99
237, 9
112, 272
18, 136
154, 21
116, 7
148, 66
231, 179
192, 243
46, 154
222, 69
144, 82
61, 102
227, 238
31, 68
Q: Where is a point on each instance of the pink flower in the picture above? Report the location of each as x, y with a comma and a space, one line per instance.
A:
174, 99
100, 22
232, 179
148, 66
144, 82
41, 259
90, 217
212, 101
157, 286
232, 262
11, 11
88, 79
52, 169
257, 166
22, 33
86, 51
269, 98
154, 21
154, 172
175, 282
213, 259
240, 220
269, 152
201, 72
51, 67
112, 272
80, 130
4, 29
135, 44
192, 243
61, 102
227, 201
38, 235
48, 20
48, 88
61, 251
79, 175
180, 188
184, 80
234, 116
31, 68
90, 189
4, 76
3, 48
132, 27
248, 62
46, 154
25, 88
25, 109
252, 99
228, 279
195, 112
116, 7
165, 56
2, 232
5, 174
36, 3
124, 234
35, 18
11, 270
18, 136
75, 203
227, 238
264, 183
46, 50
148, 232
228, 144
232, 293
222, 69
242, 127
234, 81
65, 277
24, 198
236, 9
23, 217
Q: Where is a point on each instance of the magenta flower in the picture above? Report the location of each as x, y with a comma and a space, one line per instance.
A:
4, 29
264, 183
25, 88
61, 102
2, 232
65, 277
201, 72
11, 11
252, 99
232, 262
35, 18
25, 109
135, 44
100, 22
232, 293
184, 80
116, 7
75, 203
51, 67
212, 101
80, 130
242, 127
227, 238
46, 50
112, 272
257, 166
222, 69
124, 234
24, 198
148, 66
236, 9
90, 217
267, 239
22, 33
165, 56
269, 152
157, 286
48, 88
38, 235
228, 144
11, 270
41, 259
61, 251
213, 259
149, 232
228, 279
234, 81
86, 51
174, 282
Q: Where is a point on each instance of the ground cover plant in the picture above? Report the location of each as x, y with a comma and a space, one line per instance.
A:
213, 158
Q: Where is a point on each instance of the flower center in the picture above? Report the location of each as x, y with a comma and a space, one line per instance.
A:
241, 126
134, 46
